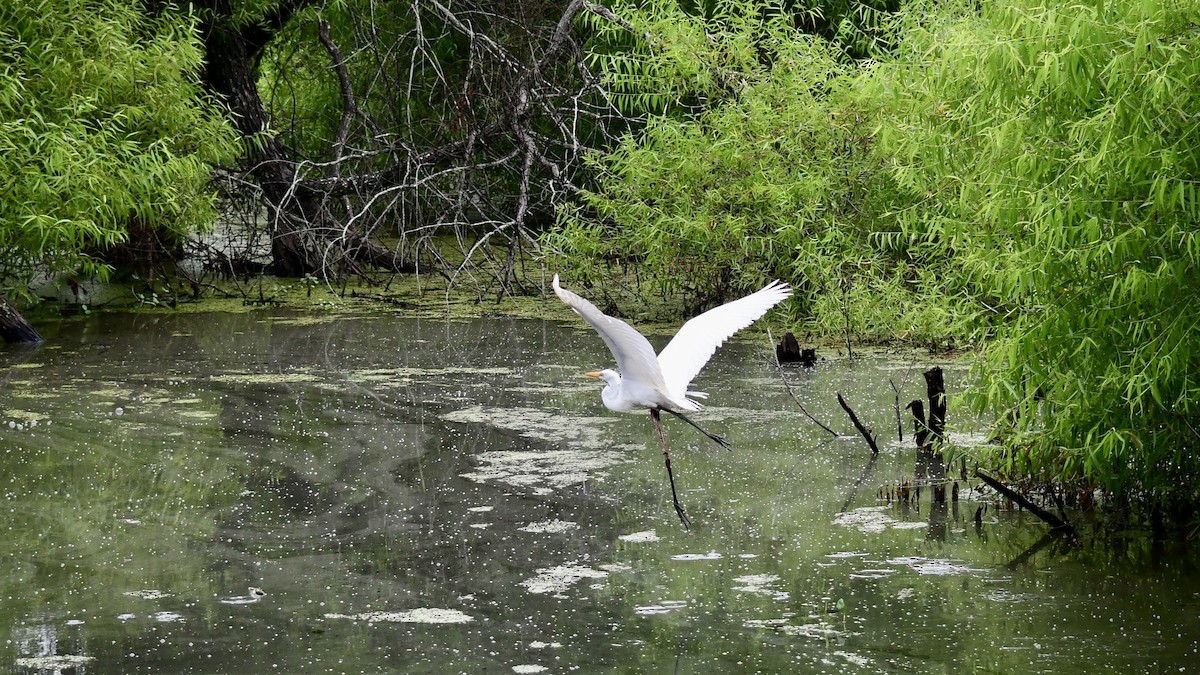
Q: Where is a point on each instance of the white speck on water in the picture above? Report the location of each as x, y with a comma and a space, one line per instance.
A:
168, 617
640, 537
811, 630
856, 659
969, 440
660, 608
421, 615
818, 631
126, 617
538, 644
542, 471
480, 526
757, 580
480, 509
253, 595
1001, 595
380, 377
265, 378
905, 593
932, 566
872, 519
872, 574
148, 594
615, 567
538, 423
529, 668
559, 579
55, 662
759, 584
766, 623
846, 554
868, 519
711, 555
550, 527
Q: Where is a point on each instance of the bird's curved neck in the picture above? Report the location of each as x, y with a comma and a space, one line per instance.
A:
611, 394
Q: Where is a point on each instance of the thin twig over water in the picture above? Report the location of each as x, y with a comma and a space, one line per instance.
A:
788, 387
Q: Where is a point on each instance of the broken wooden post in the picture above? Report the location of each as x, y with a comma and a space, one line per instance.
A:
920, 429
930, 433
935, 391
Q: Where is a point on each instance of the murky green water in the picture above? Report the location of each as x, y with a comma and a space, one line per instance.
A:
430, 496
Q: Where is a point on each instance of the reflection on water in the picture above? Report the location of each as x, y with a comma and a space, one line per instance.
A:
253, 494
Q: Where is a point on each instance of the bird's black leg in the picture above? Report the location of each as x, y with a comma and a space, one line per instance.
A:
670, 475
719, 440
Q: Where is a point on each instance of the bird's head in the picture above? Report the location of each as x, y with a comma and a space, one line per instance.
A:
609, 375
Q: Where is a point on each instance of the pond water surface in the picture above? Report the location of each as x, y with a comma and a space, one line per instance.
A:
451, 496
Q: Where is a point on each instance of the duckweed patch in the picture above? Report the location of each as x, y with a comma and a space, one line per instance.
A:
431, 615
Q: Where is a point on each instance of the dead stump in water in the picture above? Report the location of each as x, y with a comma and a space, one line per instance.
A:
929, 434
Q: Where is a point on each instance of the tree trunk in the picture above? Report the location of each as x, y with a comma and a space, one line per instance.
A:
14, 327
229, 73
301, 223
935, 390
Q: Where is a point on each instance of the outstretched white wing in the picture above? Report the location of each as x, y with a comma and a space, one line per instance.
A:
695, 343
633, 352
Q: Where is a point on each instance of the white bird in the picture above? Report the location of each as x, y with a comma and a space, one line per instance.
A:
660, 382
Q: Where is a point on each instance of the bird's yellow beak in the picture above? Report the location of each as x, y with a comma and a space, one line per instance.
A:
593, 373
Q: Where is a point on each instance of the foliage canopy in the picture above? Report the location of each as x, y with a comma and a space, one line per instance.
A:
1020, 170
1055, 149
103, 132
774, 176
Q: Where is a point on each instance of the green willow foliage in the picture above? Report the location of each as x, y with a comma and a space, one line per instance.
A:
103, 132
679, 54
1056, 148
774, 177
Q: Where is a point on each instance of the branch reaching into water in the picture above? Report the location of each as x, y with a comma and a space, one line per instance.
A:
866, 433
899, 423
788, 387
1050, 519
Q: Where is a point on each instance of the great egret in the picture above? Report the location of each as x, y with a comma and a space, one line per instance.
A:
660, 382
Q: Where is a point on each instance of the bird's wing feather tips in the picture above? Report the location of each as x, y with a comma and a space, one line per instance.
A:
633, 352
685, 355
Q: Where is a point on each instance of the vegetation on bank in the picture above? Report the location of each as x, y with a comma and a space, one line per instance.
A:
106, 136
1017, 174
1020, 174
1054, 148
